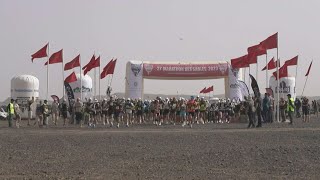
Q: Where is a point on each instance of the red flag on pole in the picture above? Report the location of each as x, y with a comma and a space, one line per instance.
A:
92, 60
105, 69
209, 89
40, 53
56, 57
91, 65
270, 43
240, 62
283, 72
72, 64
112, 67
307, 74
271, 65
203, 90
96, 63
254, 52
71, 78
292, 62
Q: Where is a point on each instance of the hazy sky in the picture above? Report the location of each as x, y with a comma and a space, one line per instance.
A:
149, 30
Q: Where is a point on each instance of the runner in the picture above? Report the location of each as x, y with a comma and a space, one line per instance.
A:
203, 109
104, 112
191, 106
183, 112
140, 110
128, 108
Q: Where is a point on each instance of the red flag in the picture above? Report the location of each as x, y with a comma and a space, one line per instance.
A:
91, 65
271, 42
105, 69
254, 52
283, 72
96, 63
203, 90
292, 62
271, 65
92, 60
72, 64
56, 57
112, 67
307, 74
71, 78
240, 62
40, 53
209, 89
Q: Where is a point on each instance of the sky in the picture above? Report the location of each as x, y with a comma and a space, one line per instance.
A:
151, 30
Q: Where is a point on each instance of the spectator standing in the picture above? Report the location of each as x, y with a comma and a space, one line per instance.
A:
45, 113
10, 110
250, 111
305, 109
258, 106
282, 107
290, 107
55, 111
266, 108
17, 112
297, 104
64, 111
30, 108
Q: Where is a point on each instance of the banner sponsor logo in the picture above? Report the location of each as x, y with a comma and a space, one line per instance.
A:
135, 68
283, 88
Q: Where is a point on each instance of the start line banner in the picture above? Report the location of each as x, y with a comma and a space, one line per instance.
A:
185, 70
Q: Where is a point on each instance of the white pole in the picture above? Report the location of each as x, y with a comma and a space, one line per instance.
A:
278, 84
62, 80
257, 67
267, 85
80, 78
95, 83
99, 82
295, 80
47, 95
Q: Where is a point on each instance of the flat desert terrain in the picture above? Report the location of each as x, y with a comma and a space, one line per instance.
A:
210, 151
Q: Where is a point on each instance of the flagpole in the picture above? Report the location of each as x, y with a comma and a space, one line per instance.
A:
80, 78
249, 75
48, 74
257, 66
99, 82
304, 85
244, 75
295, 80
267, 70
278, 82
95, 83
62, 79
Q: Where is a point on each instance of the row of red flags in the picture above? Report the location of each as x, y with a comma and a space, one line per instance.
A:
57, 57
261, 49
206, 90
255, 51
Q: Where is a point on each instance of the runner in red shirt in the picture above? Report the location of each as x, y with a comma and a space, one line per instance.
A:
191, 108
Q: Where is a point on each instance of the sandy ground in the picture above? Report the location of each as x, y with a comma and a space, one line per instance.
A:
211, 151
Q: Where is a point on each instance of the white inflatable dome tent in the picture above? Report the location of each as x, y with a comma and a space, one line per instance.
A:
23, 88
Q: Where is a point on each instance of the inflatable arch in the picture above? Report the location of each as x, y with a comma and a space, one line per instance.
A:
137, 71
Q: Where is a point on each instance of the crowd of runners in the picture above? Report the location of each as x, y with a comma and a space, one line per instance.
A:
116, 112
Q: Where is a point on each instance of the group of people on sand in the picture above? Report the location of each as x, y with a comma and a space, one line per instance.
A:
264, 109
116, 112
